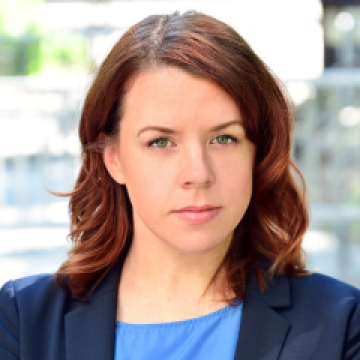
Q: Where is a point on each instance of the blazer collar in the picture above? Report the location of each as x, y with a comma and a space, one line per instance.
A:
89, 324
263, 331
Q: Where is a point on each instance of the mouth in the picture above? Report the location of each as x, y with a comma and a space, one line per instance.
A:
197, 214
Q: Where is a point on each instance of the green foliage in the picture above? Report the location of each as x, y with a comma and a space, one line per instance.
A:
63, 50
26, 47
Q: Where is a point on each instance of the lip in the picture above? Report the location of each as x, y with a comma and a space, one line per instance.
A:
197, 214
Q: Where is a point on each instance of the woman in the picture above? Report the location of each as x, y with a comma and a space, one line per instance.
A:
186, 220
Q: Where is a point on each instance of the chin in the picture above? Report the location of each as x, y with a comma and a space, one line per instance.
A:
202, 248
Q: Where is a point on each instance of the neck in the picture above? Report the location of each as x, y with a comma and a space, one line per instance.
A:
170, 281
172, 272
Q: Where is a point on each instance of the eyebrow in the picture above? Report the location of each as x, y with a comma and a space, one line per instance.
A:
166, 130
225, 125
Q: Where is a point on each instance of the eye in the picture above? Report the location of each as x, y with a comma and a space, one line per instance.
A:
225, 139
159, 143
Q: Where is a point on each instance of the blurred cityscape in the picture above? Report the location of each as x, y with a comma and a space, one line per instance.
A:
49, 50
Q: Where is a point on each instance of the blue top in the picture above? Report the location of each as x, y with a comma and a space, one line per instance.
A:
212, 336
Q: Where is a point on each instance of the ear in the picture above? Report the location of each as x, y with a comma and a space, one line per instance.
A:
112, 163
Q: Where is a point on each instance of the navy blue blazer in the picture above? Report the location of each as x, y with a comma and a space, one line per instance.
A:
312, 317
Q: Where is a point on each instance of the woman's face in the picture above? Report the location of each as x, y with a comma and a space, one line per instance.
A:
186, 163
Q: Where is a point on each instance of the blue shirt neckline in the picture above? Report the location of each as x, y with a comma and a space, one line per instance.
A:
217, 313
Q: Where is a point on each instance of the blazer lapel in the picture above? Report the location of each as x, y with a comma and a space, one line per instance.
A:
90, 326
263, 331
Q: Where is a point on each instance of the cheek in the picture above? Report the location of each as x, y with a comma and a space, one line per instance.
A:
237, 172
239, 187
148, 182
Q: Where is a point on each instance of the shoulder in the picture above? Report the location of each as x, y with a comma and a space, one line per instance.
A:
319, 288
28, 306
321, 302
324, 297
31, 297
27, 283
319, 296
36, 288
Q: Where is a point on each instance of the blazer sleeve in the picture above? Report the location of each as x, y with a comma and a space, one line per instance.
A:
9, 324
352, 341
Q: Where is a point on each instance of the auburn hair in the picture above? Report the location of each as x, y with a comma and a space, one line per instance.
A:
101, 212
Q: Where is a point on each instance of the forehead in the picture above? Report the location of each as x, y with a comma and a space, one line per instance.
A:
169, 93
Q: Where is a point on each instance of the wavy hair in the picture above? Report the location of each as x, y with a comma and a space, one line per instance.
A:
100, 209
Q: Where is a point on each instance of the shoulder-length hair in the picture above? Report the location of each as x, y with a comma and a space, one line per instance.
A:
101, 212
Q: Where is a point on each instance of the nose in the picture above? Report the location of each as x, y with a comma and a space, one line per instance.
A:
196, 169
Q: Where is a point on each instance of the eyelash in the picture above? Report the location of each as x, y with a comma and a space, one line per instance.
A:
152, 142
232, 139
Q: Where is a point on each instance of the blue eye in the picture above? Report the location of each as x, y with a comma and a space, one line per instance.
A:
225, 139
160, 143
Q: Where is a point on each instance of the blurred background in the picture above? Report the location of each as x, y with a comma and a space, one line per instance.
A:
49, 51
